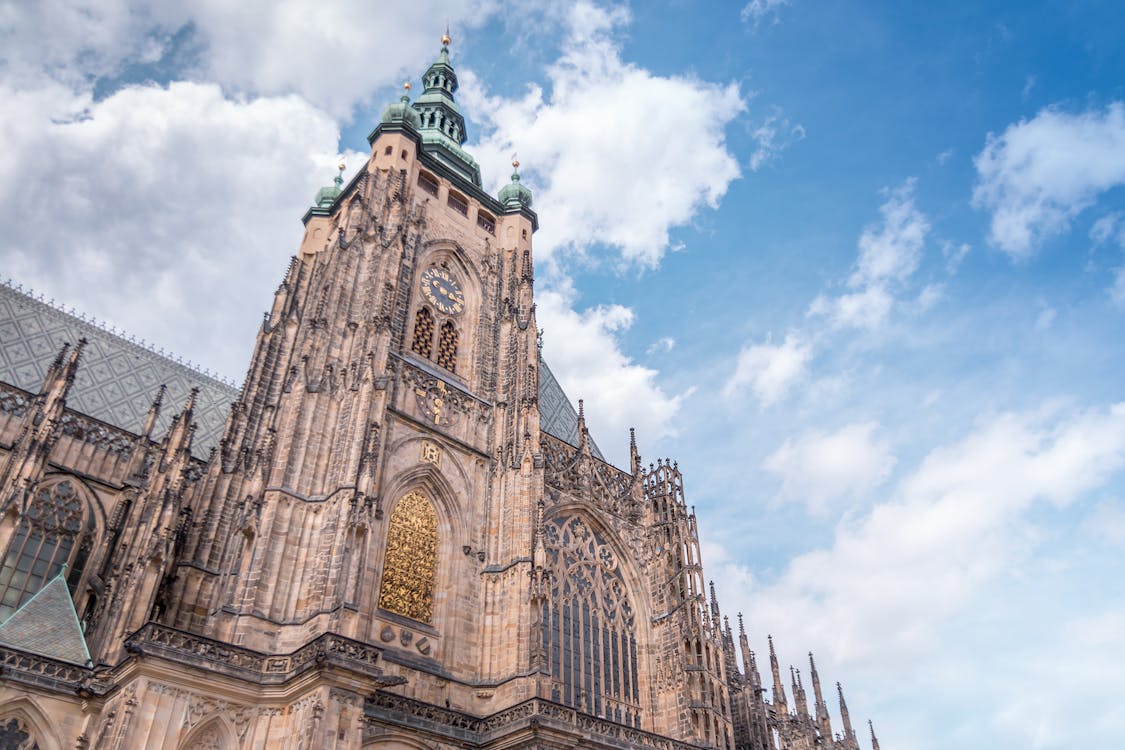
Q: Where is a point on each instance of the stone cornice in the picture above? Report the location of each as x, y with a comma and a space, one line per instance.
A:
326, 651
536, 714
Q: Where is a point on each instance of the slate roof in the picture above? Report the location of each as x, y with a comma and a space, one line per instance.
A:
47, 625
557, 416
118, 378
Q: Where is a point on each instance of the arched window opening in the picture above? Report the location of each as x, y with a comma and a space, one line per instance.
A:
423, 342
428, 183
52, 532
16, 734
410, 565
589, 629
447, 346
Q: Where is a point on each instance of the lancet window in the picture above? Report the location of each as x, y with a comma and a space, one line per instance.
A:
410, 564
53, 531
447, 346
423, 342
589, 628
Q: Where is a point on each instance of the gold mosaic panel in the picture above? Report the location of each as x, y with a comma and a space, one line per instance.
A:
410, 565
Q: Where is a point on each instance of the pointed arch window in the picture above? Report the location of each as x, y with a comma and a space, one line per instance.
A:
55, 530
15, 733
410, 564
423, 342
447, 346
589, 628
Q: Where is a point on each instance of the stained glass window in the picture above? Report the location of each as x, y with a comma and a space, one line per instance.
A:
46, 536
589, 629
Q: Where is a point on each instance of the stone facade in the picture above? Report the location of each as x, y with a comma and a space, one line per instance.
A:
385, 548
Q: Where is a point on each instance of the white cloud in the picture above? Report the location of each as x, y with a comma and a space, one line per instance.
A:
867, 309
772, 136
930, 295
944, 157
889, 254
954, 254
756, 10
1107, 522
881, 592
662, 345
619, 156
768, 369
156, 193
584, 353
335, 54
1106, 228
1039, 174
1046, 318
821, 467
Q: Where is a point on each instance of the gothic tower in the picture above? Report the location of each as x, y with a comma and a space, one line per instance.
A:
396, 542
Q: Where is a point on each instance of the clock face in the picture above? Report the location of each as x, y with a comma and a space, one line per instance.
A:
443, 291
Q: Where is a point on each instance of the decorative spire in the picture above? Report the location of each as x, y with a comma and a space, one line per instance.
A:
778, 688
823, 721
583, 433
515, 195
154, 411
634, 455
849, 733
874, 739
326, 196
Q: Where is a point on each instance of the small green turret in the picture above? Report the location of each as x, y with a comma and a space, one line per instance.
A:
326, 196
401, 112
515, 195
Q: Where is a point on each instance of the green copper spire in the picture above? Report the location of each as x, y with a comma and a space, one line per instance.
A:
515, 195
326, 196
442, 125
401, 111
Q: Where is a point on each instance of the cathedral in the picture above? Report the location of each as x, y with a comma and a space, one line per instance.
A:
397, 533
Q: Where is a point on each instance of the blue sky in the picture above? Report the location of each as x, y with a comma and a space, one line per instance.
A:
858, 267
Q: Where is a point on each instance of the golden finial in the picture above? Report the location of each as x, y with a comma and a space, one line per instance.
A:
406, 86
341, 166
445, 38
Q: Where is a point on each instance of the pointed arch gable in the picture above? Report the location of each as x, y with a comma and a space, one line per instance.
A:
26, 712
214, 733
435, 250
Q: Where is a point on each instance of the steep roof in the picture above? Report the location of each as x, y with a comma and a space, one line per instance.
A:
119, 378
47, 625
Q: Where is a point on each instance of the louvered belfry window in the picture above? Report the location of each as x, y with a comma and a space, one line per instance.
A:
423, 342
589, 630
447, 346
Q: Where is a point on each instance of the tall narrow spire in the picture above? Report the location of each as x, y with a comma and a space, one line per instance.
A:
823, 721
442, 124
154, 411
849, 734
874, 739
778, 689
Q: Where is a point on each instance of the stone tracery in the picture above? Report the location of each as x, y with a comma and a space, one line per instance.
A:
589, 626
